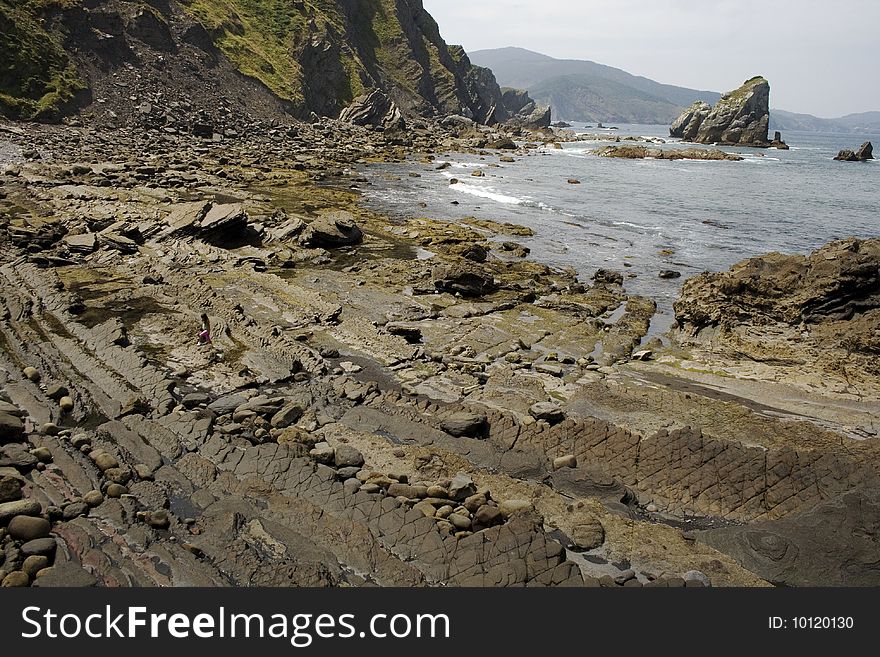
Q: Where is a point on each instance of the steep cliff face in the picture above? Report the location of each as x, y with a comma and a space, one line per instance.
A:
740, 118
309, 55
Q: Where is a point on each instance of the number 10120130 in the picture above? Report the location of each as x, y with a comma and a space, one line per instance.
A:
812, 623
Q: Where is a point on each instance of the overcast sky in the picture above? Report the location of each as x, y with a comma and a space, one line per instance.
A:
820, 57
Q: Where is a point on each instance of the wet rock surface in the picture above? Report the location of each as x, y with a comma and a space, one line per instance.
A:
245, 378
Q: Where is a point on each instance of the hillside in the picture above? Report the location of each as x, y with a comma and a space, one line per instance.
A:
294, 56
586, 91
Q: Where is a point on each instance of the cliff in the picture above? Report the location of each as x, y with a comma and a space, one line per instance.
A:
262, 56
740, 118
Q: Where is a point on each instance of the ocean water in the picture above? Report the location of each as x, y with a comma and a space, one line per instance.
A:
643, 216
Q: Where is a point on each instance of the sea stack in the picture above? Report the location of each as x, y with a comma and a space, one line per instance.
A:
865, 153
741, 118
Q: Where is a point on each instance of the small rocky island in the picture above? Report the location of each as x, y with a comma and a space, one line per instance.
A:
865, 153
741, 118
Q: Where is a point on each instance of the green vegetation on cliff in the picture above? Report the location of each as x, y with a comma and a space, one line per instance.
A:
316, 55
320, 54
37, 78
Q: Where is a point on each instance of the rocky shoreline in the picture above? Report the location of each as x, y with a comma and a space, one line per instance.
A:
396, 403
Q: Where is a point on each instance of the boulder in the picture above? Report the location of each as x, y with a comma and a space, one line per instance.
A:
323, 453
464, 424
10, 489
374, 109
547, 411
28, 528
461, 487
40, 546
740, 118
332, 230
16, 456
9, 510
65, 575
11, 428
588, 535
289, 413
346, 456
15, 579
463, 278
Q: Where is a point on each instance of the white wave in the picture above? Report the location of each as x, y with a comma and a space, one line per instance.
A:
487, 192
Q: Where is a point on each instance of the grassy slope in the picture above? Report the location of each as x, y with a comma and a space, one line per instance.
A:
36, 77
262, 38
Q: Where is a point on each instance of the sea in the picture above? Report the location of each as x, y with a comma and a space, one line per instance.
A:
641, 217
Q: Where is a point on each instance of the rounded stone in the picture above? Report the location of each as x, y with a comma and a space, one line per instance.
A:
588, 535
459, 521
143, 472
93, 498
66, 404
104, 461
569, 461
115, 491
16, 579
44, 546
34, 564
43, 454
28, 528
75, 510
50, 429
32, 374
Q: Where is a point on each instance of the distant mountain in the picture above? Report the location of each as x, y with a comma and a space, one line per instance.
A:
862, 122
580, 90
586, 91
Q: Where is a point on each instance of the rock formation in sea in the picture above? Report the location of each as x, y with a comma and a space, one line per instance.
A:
740, 118
863, 154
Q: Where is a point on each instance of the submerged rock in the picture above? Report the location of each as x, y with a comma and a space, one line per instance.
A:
643, 152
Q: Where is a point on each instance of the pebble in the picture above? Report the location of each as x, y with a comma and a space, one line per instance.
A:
32, 374
66, 404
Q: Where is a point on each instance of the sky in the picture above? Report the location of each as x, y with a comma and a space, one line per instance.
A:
821, 58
